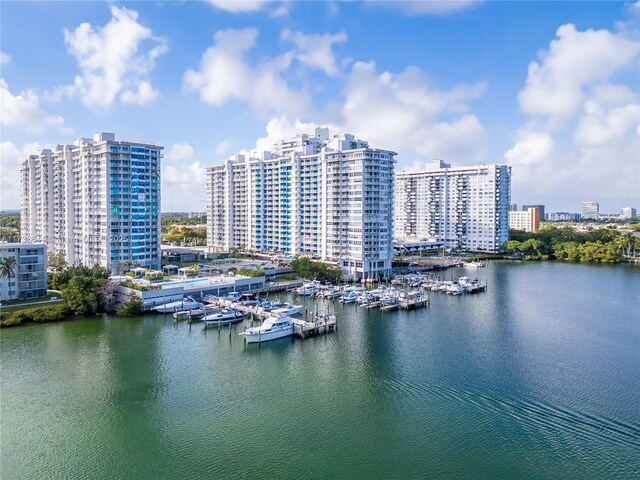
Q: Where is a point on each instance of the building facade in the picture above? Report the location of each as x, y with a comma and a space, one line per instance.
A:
97, 201
539, 207
29, 279
590, 210
526, 221
465, 207
628, 212
562, 217
330, 198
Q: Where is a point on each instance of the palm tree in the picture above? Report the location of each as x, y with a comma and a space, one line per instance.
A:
6, 270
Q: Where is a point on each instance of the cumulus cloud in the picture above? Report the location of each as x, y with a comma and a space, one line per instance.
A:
10, 158
430, 7
223, 147
183, 187
239, 6
406, 113
282, 127
179, 152
115, 61
23, 111
224, 75
574, 61
4, 57
315, 51
581, 135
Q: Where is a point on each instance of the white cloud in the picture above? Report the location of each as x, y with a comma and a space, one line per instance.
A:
4, 57
224, 76
223, 147
315, 51
114, 60
282, 127
142, 95
581, 137
239, 6
23, 111
531, 147
430, 7
10, 158
403, 112
183, 187
180, 151
574, 61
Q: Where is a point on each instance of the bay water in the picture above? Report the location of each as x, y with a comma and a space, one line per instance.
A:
539, 377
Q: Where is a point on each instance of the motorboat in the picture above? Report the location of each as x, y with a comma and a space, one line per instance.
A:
287, 310
455, 288
232, 297
223, 317
350, 296
333, 293
178, 306
308, 288
474, 264
272, 328
248, 300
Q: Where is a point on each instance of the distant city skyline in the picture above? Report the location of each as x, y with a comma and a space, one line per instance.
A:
465, 82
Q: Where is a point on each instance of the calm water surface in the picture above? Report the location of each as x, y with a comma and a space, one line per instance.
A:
537, 378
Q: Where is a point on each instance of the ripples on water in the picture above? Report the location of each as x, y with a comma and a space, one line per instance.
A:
537, 378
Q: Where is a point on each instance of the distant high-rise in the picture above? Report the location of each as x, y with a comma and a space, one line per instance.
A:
539, 207
590, 210
464, 207
628, 212
314, 195
526, 221
513, 207
97, 201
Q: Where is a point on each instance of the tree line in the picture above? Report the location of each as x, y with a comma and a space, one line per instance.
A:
603, 245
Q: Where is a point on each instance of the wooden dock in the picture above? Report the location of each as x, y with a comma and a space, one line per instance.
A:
322, 324
407, 304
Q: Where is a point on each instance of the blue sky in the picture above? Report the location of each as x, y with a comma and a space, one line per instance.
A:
551, 88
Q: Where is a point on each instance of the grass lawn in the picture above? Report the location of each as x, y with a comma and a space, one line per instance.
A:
13, 305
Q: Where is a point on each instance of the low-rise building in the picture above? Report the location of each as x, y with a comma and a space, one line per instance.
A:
28, 275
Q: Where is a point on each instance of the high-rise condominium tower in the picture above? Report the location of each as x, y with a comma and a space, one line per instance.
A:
326, 197
465, 207
97, 201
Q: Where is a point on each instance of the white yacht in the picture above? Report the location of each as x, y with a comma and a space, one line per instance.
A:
308, 289
474, 264
179, 306
287, 310
222, 317
272, 328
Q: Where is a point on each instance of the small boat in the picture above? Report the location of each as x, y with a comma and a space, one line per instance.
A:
179, 306
272, 328
248, 300
333, 293
287, 310
350, 297
231, 297
474, 264
223, 317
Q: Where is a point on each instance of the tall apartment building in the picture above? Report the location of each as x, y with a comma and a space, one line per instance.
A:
628, 212
30, 271
464, 207
525, 220
97, 201
590, 210
315, 195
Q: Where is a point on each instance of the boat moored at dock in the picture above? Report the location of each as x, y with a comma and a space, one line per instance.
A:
272, 328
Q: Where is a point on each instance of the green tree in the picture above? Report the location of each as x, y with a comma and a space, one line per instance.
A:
6, 270
56, 262
81, 294
132, 308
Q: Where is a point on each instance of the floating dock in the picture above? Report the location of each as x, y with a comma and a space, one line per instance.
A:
324, 323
